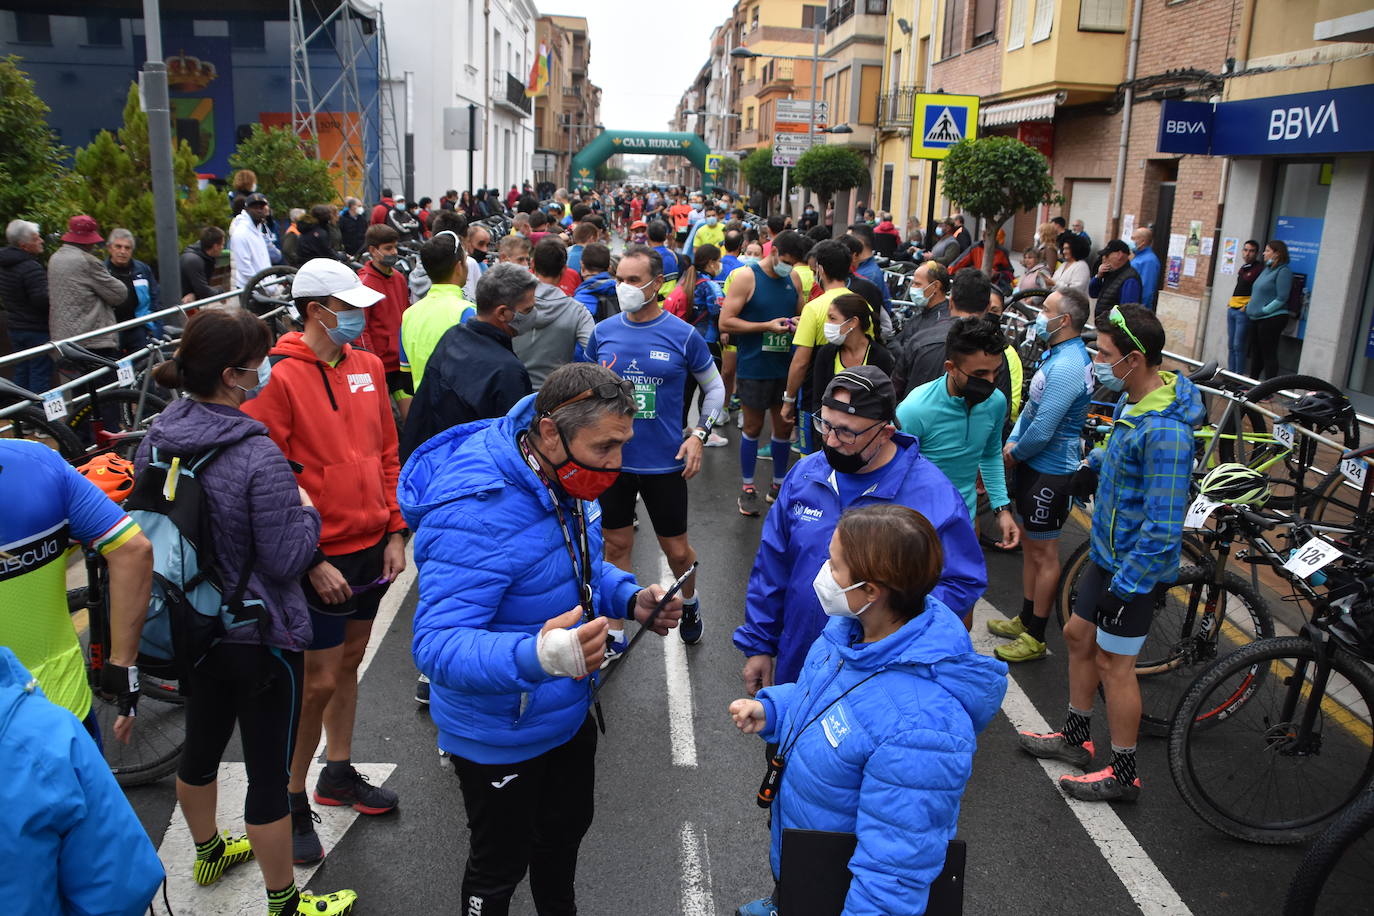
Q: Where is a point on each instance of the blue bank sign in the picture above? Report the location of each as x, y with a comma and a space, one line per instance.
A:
1330, 121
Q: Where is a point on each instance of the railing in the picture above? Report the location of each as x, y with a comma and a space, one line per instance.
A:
896, 106
841, 13
514, 95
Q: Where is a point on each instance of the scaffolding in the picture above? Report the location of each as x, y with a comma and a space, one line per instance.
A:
360, 140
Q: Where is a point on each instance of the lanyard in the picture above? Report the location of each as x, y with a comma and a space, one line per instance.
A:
582, 570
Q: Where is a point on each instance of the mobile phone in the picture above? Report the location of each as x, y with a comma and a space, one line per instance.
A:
676, 587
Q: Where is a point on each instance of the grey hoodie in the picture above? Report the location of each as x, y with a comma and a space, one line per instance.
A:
561, 328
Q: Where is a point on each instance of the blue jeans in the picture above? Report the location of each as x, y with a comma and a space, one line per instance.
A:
1237, 335
34, 374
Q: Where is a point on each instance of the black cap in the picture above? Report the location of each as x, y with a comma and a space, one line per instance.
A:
255, 198
870, 393
1114, 245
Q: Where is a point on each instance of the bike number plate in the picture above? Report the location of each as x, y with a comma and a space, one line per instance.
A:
1198, 513
1284, 435
125, 371
1354, 470
1311, 557
54, 408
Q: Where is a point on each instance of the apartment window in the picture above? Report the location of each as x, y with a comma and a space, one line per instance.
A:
105, 31
748, 119
984, 21
754, 20
1044, 20
32, 28
813, 16
894, 77
247, 34
875, 7
1102, 16
471, 22
950, 34
886, 196
1016, 25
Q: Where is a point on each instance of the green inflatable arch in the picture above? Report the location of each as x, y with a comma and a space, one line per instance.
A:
614, 142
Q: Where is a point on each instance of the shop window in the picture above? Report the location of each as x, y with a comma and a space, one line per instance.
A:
1297, 217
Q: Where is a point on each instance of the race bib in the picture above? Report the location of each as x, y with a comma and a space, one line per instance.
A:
646, 401
777, 343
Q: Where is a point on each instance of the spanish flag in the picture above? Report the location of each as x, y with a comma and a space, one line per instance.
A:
539, 73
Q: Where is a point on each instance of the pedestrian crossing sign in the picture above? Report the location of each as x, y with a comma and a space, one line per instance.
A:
712, 165
939, 121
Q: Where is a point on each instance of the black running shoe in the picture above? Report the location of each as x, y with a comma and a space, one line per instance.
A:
356, 792
305, 842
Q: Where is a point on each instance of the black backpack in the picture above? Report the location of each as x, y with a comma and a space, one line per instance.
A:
607, 304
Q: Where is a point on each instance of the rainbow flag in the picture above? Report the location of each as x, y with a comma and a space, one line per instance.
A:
539, 73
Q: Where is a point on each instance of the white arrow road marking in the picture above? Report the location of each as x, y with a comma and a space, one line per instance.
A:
681, 730
1147, 886
240, 892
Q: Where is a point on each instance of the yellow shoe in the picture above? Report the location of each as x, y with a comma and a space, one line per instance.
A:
1025, 648
333, 904
1007, 628
223, 855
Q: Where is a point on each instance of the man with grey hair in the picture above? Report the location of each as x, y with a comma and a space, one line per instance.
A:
138, 280
24, 298
82, 291
514, 603
1042, 454
474, 373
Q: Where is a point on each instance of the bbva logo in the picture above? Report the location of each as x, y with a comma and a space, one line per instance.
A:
1185, 127
1292, 123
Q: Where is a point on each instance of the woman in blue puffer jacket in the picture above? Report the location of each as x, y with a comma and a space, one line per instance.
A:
878, 733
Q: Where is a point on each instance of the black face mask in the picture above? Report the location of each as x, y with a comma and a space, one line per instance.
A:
389, 260
849, 464
976, 390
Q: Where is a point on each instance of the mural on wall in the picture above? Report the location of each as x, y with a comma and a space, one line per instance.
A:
200, 85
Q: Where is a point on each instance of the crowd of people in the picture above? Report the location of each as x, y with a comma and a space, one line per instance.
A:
528, 392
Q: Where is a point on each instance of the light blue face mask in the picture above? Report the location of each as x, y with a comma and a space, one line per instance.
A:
782, 269
710, 220
1107, 378
1042, 327
264, 372
348, 327
749, 259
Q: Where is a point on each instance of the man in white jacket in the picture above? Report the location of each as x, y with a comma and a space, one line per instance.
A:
247, 243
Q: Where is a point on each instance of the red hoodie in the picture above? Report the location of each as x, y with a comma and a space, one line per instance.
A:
382, 334
380, 211
336, 422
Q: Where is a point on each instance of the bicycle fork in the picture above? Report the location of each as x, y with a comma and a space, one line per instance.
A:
1306, 740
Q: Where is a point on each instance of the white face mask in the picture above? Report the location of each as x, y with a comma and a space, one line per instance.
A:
832, 332
631, 298
832, 595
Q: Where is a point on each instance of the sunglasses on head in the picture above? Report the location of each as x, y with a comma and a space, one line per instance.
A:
606, 391
1119, 320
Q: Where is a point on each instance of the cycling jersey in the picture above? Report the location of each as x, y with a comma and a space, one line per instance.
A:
48, 504
1048, 434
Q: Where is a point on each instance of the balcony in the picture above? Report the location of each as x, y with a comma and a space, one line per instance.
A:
777, 74
842, 12
896, 106
511, 96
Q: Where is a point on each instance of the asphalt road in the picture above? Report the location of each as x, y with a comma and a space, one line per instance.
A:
689, 839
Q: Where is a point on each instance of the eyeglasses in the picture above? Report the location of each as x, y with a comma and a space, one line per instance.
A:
843, 435
606, 391
1119, 320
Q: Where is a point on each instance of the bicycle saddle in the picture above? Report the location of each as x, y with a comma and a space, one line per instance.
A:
12, 392
1205, 373
81, 356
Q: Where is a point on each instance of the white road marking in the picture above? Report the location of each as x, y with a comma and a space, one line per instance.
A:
697, 899
681, 730
1143, 880
240, 892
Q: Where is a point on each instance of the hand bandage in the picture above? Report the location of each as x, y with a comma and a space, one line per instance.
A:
560, 653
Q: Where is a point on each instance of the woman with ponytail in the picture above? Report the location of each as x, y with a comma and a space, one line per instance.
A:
265, 529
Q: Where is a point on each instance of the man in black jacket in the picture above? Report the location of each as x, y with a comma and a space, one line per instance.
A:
198, 262
24, 296
314, 241
474, 373
353, 223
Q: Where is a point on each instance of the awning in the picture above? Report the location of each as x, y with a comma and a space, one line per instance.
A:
1036, 108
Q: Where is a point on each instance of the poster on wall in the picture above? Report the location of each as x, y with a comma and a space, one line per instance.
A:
200, 86
1127, 227
1229, 248
1194, 243
1303, 236
1173, 268
341, 146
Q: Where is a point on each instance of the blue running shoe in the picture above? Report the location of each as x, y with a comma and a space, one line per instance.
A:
691, 626
764, 907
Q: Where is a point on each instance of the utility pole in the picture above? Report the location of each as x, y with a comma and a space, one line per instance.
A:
153, 89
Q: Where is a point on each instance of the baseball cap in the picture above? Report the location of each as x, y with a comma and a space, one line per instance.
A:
639, 224
870, 393
320, 278
82, 230
255, 198
1114, 245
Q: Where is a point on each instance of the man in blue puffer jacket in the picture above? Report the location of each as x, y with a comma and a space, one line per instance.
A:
509, 551
69, 840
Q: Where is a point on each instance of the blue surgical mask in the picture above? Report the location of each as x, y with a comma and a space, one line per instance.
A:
749, 259
264, 372
1107, 378
710, 220
348, 327
1042, 327
400, 205
939, 231
782, 269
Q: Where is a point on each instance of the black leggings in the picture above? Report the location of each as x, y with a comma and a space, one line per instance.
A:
1264, 346
260, 689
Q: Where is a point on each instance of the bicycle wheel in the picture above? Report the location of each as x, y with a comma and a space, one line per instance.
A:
1295, 472
30, 423
1336, 501
1184, 637
136, 409
1247, 773
1334, 876
1194, 553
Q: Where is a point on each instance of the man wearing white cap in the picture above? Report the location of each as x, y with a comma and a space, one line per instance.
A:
329, 411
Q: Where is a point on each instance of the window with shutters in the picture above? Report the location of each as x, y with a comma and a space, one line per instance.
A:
1016, 25
1102, 16
1044, 20
984, 21
951, 34
812, 16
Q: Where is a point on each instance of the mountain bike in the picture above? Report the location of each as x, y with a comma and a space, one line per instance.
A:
1335, 875
29, 421
102, 417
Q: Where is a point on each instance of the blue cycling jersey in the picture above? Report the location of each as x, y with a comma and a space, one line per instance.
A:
1048, 434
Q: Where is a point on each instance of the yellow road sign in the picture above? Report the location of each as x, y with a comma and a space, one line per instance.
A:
940, 121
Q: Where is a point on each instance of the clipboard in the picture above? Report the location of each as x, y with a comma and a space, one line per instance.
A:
815, 875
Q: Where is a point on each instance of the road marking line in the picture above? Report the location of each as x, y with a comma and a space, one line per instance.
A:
240, 891
1142, 879
681, 728
697, 898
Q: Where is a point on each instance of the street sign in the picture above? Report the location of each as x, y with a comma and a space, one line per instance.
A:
799, 111
544, 162
795, 127
712, 165
939, 121
788, 147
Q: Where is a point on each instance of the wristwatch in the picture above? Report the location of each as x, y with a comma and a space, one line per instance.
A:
1005, 507
699, 434
789, 398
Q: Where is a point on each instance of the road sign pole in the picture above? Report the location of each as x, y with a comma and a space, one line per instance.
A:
930, 204
784, 189
815, 62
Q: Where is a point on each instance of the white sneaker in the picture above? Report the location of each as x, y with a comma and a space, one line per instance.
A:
716, 440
